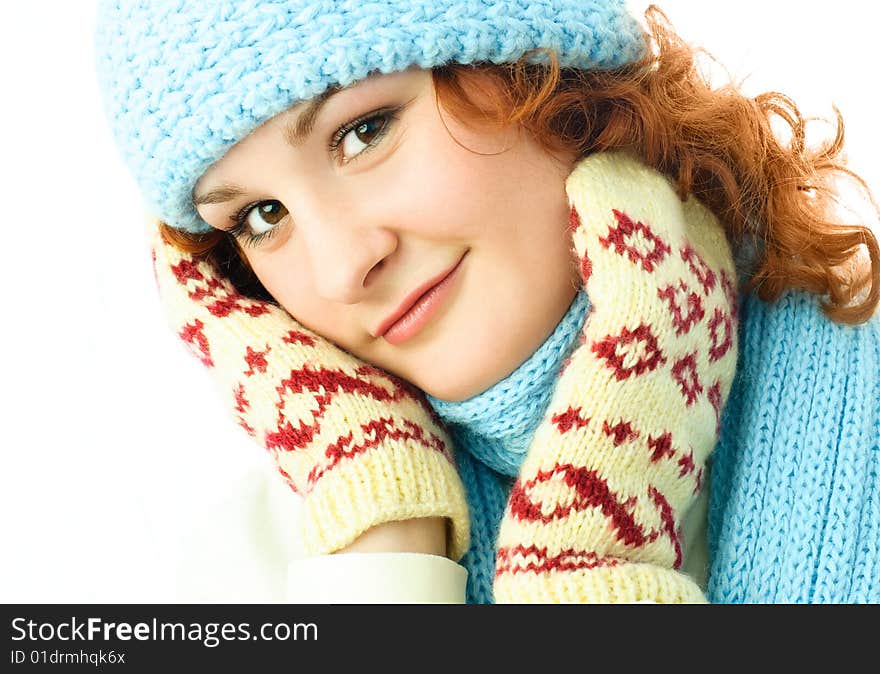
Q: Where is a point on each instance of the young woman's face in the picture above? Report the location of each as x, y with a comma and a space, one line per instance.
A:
430, 248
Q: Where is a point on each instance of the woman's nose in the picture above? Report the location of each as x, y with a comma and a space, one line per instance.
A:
347, 254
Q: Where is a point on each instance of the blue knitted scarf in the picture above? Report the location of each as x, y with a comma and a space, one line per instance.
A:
492, 432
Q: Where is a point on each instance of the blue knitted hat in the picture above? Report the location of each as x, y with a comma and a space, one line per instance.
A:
184, 80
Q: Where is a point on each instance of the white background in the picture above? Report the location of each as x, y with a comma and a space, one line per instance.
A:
114, 445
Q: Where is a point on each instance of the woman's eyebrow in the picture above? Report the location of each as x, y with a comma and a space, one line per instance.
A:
296, 132
218, 195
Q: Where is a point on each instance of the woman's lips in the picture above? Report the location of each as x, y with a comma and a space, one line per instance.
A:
419, 307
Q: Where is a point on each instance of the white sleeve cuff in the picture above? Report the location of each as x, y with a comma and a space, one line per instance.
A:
376, 578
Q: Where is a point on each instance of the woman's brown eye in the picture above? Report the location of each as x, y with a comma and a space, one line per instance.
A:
265, 215
363, 136
367, 131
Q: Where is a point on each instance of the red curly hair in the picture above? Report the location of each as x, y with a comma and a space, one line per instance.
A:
715, 143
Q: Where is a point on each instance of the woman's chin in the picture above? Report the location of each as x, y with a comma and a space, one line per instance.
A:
460, 383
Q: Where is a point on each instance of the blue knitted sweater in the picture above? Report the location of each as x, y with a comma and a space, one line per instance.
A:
795, 498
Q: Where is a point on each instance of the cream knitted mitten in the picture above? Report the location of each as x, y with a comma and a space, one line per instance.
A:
617, 460
360, 446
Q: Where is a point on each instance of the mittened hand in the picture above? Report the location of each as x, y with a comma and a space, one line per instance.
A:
360, 446
618, 459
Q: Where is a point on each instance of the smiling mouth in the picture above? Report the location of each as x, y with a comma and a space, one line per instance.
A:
416, 311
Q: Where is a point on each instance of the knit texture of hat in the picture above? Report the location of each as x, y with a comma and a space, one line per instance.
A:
184, 80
